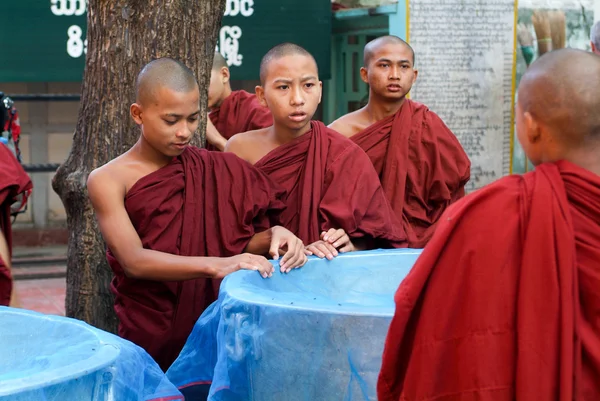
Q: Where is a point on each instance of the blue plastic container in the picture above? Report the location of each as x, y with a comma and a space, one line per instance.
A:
52, 358
316, 333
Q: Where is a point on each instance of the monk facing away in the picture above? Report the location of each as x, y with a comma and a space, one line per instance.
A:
422, 166
13, 181
177, 218
334, 200
503, 304
232, 112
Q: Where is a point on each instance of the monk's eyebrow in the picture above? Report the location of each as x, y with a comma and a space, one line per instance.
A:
309, 78
386, 60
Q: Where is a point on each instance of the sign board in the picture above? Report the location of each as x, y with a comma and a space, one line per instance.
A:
44, 40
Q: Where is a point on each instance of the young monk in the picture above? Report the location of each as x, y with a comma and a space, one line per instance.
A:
13, 181
232, 112
503, 303
422, 166
334, 200
177, 218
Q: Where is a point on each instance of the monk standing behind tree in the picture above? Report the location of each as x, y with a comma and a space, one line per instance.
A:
13, 181
231, 112
176, 218
503, 304
334, 200
422, 166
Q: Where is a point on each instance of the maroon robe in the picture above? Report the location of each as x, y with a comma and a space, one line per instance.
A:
503, 304
422, 167
240, 112
330, 183
201, 204
13, 181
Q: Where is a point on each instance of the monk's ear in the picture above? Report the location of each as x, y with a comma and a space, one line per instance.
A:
416, 72
364, 75
260, 94
532, 128
136, 113
320, 91
225, 75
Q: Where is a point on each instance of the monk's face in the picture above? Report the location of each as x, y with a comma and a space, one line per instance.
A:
217, 89
390, 72
292, 91
168, 119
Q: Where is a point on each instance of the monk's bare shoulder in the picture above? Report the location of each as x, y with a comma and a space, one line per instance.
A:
351, 123
248, 145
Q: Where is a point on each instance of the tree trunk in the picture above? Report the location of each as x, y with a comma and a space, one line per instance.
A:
122, 36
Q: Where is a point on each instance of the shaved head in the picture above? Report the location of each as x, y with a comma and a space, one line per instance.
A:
163, 72
219, 61
561, 90
375, 44
279, 51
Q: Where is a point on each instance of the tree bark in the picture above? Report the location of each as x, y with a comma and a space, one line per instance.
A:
122, 36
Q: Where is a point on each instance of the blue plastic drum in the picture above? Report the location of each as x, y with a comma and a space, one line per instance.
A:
53, 358
315, 334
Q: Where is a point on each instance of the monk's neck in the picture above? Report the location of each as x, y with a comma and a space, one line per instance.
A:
147, 154
585, 158
282, 134
226, 93
377, 110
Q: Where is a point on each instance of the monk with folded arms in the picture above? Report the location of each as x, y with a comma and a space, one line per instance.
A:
13, 182
503, 304
422, 167
231, 112
177, 218
334, 201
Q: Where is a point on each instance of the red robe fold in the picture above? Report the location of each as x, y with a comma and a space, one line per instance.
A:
422, 167
330, 183
239, 112
503, 304
13, 181
201, 204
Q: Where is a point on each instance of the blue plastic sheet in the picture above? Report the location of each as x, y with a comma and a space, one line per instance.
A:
52, 358
316, 333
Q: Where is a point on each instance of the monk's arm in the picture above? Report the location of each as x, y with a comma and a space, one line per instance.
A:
213, 136
4, 251
341, 127
107, 196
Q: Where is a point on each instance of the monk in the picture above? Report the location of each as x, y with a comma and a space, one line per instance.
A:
334, 200
503, 304
13, 181
231, 112
177, 218
422, 167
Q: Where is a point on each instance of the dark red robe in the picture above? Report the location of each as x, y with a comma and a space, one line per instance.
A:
239, 112
503, 304
13, 181
330, 183
201, 204
422, 167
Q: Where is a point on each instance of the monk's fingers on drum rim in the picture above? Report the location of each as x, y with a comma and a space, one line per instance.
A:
253, 266
331, 250
336, 236
329, 234
349, 247
343, 240
314, 250
293, 258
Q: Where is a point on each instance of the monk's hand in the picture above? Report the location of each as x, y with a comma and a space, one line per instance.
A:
285, 242
338, 239
213, 136
322, 249
246, 261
